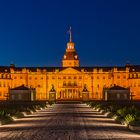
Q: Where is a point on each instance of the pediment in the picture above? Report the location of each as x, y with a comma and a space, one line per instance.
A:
70, 71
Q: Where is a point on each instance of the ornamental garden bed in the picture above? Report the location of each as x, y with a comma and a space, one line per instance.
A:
10, 111
128, 115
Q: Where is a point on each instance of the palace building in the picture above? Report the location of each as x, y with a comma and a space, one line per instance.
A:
70, 80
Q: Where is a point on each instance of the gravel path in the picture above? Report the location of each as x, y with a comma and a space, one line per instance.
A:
66, 122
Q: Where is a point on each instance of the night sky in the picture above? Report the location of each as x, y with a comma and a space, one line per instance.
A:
34, 32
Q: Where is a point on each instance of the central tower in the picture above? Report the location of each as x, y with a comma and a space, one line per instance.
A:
70, 58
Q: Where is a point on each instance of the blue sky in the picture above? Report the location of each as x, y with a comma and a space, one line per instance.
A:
34, 32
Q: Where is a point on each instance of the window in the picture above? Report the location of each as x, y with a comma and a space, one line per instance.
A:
118, 77
64, 77
124, 77
75, 84
8, 76
118, 96
75, 77
69, 83
80, 77
20, 77
19, 96
125, 96
103, 77
97, 77
13, 97
134, 84
7, 84
3, 84
69, 77
64, 83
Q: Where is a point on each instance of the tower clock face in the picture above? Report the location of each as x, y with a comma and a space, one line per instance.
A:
76, 56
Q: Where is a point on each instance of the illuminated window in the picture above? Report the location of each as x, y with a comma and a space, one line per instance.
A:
8, 76
75, 84
3, 84
134, 84
75, 77
109, 77
124, 77
135, 76
80, 77
118, 77
7, 84
69, 83
64, 83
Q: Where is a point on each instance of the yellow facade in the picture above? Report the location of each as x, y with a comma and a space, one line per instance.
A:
70, 79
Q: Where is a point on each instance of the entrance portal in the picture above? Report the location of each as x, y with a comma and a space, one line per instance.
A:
70, 94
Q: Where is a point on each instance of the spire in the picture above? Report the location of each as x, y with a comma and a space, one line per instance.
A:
69, 31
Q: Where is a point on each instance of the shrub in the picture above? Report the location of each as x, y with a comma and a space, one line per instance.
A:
122, 112
130, 118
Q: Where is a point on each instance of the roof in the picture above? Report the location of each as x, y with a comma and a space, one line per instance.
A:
116, 87
5, 69
133, 68
22, 87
